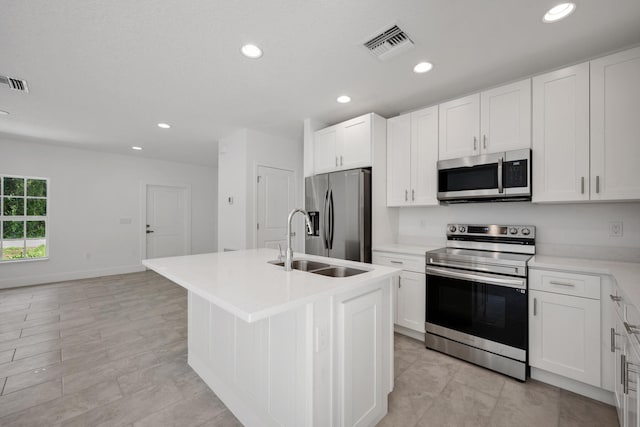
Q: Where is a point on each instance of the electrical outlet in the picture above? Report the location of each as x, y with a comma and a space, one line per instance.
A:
615, 229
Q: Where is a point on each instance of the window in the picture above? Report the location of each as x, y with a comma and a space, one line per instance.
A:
23, 218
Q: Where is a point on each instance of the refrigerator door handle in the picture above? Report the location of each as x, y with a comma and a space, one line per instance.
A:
331, 219
325, 238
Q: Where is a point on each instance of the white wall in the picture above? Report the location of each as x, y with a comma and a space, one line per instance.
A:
89, 193
240, 155
579, 230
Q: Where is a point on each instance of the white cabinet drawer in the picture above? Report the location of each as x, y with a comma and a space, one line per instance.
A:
404, 262
565, 283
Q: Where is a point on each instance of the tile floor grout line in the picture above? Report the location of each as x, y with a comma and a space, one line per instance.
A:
4, 383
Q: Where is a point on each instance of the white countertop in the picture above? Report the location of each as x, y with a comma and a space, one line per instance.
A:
626, 274
246, 285
405, 249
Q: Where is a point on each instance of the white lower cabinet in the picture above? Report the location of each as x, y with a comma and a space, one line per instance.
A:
564, 325
626, 346
565, 336
409, 292
412, 289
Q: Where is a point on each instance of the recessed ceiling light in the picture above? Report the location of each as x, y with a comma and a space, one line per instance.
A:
343, 99
4, 113
422, 67
251, 51
558, 12
136, 148
164, 125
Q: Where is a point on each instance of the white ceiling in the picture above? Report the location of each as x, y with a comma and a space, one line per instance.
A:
103, 73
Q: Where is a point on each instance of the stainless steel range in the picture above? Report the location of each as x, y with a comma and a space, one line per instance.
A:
476, 307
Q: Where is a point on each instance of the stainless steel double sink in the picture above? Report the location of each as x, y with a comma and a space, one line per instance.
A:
320, 268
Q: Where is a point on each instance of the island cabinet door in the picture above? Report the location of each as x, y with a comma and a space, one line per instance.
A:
361, 368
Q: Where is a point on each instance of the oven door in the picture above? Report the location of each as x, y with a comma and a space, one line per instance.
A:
478, 309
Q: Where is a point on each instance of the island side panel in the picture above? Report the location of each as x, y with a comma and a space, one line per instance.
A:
260, 369
363, 356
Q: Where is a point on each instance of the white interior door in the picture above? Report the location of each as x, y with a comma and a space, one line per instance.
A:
276, 198
167, 221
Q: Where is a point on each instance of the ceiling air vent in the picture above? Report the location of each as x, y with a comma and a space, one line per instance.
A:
15, 84
389, 43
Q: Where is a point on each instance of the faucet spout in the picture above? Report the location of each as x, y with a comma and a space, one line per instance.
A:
289, 254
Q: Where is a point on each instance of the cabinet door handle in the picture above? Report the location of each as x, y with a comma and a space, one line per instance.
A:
570, 285
597, 183
336, 160
631, 329
413, 195
582, 185
615, 298
341, 161
396, 262
535, 306
484, 141
475, 143
399, 282
623, 363
613, 340
406, 195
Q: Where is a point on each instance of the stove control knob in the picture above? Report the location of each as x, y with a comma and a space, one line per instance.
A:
452, 228
526, 231
462, 229
513, 230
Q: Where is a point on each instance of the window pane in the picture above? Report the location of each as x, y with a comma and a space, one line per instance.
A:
35, 229
36, 248
12, 249
37, 207
37, 187
13, 206
13, 186
13, 229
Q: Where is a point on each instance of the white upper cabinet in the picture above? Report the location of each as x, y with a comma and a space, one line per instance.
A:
615, 126
398, 160
324, 149
496, 120
459, 127
586, 123
346, 145
505, 118
424, 156
354, 143
560, 157
412, 155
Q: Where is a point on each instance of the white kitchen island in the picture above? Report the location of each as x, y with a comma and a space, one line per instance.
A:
288, 348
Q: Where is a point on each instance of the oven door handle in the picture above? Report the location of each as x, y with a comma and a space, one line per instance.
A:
479, 278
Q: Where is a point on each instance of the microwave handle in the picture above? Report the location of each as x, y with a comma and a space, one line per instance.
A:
500, 186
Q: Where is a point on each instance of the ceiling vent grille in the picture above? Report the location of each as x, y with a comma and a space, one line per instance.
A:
389, 43
15, 84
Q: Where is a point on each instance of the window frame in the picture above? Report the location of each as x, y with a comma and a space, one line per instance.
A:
25, 218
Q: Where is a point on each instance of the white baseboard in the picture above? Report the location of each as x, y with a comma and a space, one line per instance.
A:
16, 282
409, 332
587, 390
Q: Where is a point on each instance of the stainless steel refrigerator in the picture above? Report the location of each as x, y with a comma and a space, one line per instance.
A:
339, 204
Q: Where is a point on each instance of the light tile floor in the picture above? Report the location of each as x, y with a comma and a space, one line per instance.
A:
112, 351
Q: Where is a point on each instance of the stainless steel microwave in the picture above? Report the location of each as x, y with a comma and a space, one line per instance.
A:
502, 176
